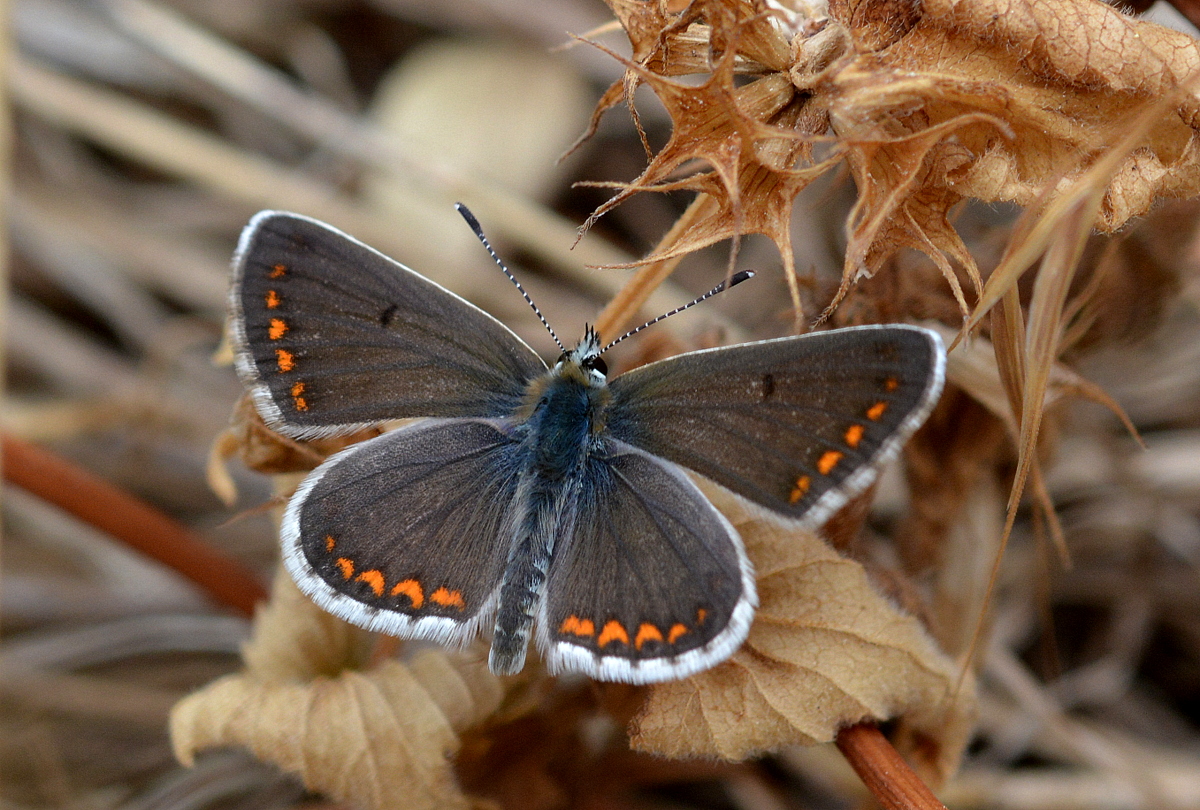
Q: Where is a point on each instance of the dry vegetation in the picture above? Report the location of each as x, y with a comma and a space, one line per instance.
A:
1018, 601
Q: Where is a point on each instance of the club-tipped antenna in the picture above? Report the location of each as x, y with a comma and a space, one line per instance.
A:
474, 223
736, 278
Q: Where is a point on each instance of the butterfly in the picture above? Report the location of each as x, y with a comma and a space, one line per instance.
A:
546, 501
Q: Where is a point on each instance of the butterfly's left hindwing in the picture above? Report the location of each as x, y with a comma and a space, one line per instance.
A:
408, 533
650, 583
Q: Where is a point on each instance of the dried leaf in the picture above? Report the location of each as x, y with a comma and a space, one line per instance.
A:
826, 650
373, 739
370, 737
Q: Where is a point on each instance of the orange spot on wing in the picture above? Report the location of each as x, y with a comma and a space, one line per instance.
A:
277, 271
677, 630
701, 615
828, 461
798, 491
613, 631
412, 589
447, 598
876, 410
300, 402
272, 299
578, 626
329, 542
854, 435
373, 578
891, 384
347, 566
277, 329
647, 632
286, 360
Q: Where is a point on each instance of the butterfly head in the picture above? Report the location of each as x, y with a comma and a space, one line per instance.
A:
586, 358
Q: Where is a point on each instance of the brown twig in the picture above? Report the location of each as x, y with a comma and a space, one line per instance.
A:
885, 773
130, 520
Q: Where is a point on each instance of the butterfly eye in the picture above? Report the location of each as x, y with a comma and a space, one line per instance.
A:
599, 364
562, 358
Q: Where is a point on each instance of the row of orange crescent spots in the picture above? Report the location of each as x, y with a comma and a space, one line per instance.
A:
613, 630
408, 587
277, 329
852, 436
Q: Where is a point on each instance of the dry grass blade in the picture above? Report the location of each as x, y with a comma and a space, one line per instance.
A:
1056, 233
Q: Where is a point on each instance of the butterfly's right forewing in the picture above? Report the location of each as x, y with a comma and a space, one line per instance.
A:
798, 425
331, 335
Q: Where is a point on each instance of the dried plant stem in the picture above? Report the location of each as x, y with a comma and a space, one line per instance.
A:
885, 773
624, 306
130, 520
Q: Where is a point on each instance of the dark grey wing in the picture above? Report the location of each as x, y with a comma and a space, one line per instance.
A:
332, 336
799, 425
408, 533
651, 583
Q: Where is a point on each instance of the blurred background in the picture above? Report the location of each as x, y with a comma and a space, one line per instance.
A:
144, 135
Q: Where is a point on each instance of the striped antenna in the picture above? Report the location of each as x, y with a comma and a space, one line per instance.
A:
737, 278
474, 223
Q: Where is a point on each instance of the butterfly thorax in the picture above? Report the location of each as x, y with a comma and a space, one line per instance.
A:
563, 411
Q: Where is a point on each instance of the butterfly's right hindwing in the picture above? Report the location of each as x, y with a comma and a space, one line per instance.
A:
649, 582
332, 336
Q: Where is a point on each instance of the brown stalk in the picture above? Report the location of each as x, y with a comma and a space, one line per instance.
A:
885, 773
625, 304
130, 520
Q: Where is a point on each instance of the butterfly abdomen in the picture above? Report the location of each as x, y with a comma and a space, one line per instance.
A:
542, 503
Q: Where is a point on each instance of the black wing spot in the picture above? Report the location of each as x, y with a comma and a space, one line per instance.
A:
768, 385
385, 319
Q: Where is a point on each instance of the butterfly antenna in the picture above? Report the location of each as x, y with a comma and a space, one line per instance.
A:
737, 278
474, 223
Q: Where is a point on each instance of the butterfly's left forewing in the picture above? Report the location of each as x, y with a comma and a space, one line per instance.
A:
331, 336
650, 583
408, 533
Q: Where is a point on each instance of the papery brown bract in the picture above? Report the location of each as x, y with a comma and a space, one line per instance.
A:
927, 103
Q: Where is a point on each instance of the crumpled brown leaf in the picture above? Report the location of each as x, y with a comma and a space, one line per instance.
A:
826, 650
928, 103
377, 737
